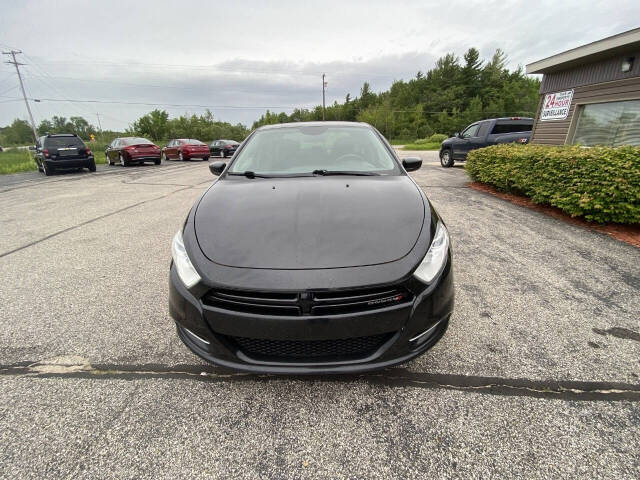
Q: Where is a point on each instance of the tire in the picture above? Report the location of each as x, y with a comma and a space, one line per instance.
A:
180, 157
123, 162
108, 161
446, 160
163, 157
92, 166
158, 161
39, 167
48, 171
205, 158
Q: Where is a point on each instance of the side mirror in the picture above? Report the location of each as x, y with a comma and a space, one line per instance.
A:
32, 147
217, 167
412, 163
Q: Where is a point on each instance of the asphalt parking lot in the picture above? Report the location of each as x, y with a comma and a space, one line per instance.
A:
537, 376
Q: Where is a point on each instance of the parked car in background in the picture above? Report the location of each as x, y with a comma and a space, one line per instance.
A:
223, 148
314, 252
128, 150
185, 149
485, 133
62, 151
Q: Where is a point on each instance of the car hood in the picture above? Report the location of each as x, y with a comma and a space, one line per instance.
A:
309, 222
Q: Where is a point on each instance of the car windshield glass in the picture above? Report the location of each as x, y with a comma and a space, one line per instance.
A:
63, 142
136, 141
305, 149
191, 141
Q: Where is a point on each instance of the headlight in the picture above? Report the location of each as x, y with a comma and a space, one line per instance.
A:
436, 258
185, 269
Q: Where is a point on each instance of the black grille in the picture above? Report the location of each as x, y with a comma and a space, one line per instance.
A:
318, 303
312, 349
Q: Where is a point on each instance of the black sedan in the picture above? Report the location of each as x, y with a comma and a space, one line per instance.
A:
223, 148
313, 252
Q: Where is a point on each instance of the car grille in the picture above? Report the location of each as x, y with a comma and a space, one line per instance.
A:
316, 303
343, 348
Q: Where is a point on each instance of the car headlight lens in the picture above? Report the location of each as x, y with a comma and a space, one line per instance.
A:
436, 258
183, 264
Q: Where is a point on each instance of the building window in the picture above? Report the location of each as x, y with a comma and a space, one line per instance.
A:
612, 124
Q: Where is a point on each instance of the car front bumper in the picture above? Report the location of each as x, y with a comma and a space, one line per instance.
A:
405, 331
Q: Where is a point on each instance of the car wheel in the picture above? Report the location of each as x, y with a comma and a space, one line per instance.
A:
163, 157
446, 160
39, 167
180, 157
92, 166
47, 170
108, 159
223, 154
205, 158
158, 161
123, 162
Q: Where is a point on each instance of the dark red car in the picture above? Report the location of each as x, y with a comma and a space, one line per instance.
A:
128, 150
185, 149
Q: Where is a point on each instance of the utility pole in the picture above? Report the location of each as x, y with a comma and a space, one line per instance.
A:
99, 126
324, 85
15, 63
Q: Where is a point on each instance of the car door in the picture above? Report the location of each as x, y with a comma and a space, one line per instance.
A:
215, 148
169, 149
114, 151
479, 140
463, 145
107, 152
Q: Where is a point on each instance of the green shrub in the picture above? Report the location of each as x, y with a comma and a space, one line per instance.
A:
437, 138
601, 184
422, 146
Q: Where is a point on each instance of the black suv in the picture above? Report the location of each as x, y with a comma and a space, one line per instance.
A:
62, 151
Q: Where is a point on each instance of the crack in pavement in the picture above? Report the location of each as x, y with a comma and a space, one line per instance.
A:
95, 219
78, 367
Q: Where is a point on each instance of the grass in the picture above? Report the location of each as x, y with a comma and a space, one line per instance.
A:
422, 146
14, 161
400, 141
21, 160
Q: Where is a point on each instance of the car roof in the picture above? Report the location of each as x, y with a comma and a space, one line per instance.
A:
61, 135
316, 124
502, 119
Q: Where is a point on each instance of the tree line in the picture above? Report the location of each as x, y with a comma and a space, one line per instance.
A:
443, 100
155, 125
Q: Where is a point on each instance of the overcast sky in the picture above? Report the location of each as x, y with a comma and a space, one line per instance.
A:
240, 57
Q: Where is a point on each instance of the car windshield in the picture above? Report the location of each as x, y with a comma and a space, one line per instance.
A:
192, 141
136, 141
63, 142
308, 149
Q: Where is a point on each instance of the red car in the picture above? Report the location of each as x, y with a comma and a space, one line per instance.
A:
128, 150
185, 149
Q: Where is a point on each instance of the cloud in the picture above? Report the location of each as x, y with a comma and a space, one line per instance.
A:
266, 54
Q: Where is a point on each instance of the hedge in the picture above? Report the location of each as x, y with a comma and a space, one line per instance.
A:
601, 184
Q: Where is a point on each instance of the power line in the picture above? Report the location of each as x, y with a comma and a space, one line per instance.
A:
151, 104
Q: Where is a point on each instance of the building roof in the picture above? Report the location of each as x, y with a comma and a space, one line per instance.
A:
605, 48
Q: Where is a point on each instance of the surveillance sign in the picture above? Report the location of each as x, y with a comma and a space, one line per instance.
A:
556, 105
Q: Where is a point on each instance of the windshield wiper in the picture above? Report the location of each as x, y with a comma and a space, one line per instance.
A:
343, 172
250, 174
